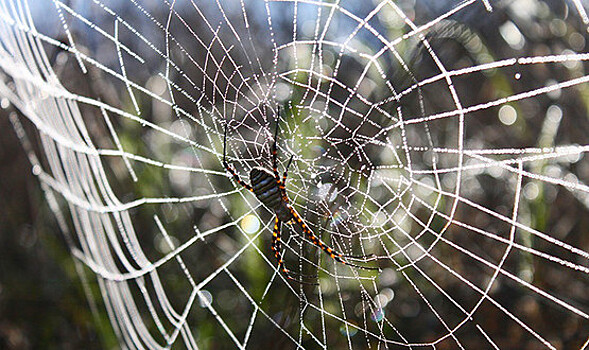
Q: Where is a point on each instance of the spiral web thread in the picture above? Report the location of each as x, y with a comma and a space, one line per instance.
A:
379, 171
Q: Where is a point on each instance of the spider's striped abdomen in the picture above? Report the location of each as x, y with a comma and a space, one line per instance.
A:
267, 190
265, 187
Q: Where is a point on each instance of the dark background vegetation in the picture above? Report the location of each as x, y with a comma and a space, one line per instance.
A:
42, 303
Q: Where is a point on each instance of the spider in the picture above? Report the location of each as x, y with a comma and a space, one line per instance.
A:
270, 190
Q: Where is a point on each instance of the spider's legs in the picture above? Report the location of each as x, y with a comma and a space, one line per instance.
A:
274, 148
276, 245
286, 171
275, 154
229, 168
282, 184
276, 249
335, 255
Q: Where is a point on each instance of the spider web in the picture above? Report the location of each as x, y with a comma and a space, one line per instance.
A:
443, 142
